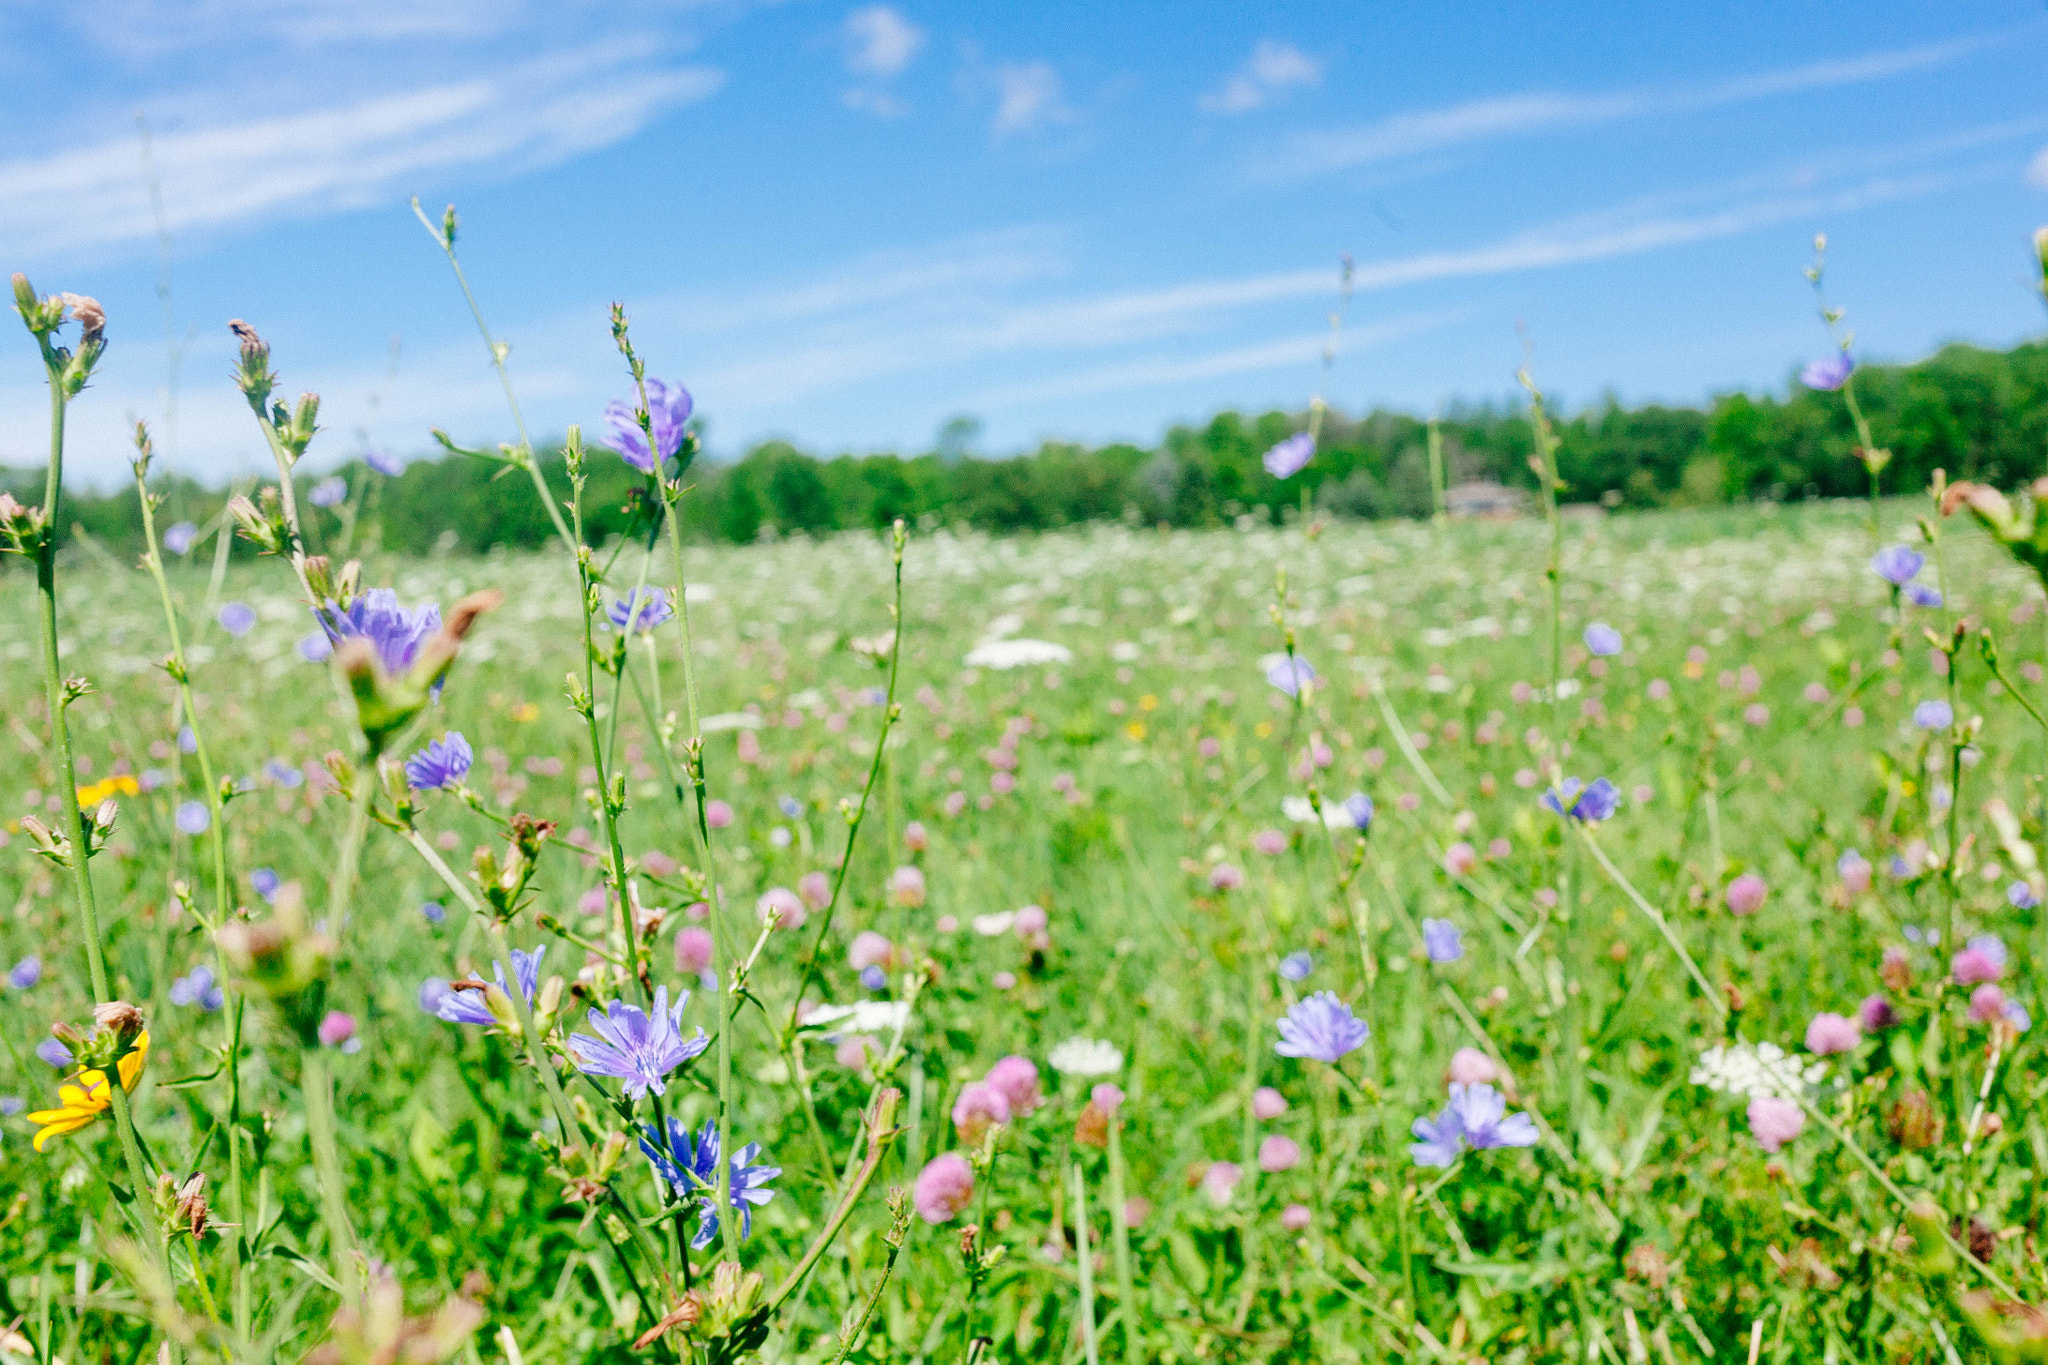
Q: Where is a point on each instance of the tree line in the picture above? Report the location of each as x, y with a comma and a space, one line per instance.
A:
1977, 413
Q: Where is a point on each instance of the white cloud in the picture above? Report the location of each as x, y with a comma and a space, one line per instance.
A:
1427, 130
1273, 69
880, 103
1028, 96
2037, 172
880, 41
339, 157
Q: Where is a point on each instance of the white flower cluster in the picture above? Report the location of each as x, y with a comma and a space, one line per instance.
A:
1086, 1057
862, 1016
1755, 1071
1017, 654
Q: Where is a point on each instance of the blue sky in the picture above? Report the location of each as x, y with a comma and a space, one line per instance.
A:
845, 223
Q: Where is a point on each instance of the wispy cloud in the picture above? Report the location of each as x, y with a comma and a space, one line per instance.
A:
1400, 135
1273, 69
341, 156
880, 41
1029, 96
2037, 173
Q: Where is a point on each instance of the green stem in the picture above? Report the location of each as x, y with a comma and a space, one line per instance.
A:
1084, 1260
1120, 1244
341, 1237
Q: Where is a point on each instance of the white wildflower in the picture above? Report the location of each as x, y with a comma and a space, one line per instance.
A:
1086, 1057
730, 720
1301, 812
1755, 1071
1018, 654
995, 925
862, 1016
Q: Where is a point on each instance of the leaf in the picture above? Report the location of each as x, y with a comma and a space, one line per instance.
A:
424, 1144
310, 1269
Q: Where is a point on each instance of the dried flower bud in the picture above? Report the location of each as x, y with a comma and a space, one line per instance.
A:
92, 319
119, 1018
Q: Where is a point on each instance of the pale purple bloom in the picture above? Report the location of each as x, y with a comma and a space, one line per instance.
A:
25, 973
1828, 373
689, 1163
1290, 456
1832, 1033
668, 405
1268, 1103
1591, 803
1876, 1014
434, 993
1934, 715
1321, 1028
188, 740
1290, 674
265, 881
651, 610
1773, 1121
873, 978
283, 773
1603, 639
1897, 564
1440, 939
54, 1053
1278, 1153
435, 912
237, 618
180, 537
10, 1105
944, 1187
2022, 896
331, 491
1359, 807
1920, 595
468, 1007
1476, 1117
197, 988
384, 462
442, 764
376, 616
337, 1029
192, 817
635, 1047
316, 648
1296, 966
1225, 877
2016, 1015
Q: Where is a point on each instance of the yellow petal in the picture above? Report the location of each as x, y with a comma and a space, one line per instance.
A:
131, 1065
61, 1127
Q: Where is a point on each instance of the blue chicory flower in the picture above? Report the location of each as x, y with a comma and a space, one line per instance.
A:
689, 1163
1920, 595
283, 773
1321, 1028
25, 973
467, 1006
54, 1053
1591, 802
436, 912
636, 1047
10, 1105
197, 988
873, 978
1476, 1117
265, 881
1602, 639
1897, 564
192, 817
316, 648
1828, 373
1440, 939
1290, 674
1934, 715
789, 806
376, 616
180, 537
442, 764
1296, 966
668, 405
434, 993
1290, 456
651, 610
2022, 896
1359, 807
237, 618
1990, 946
384, 462
331, 491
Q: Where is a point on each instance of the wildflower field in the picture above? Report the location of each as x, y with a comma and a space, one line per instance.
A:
1577, 938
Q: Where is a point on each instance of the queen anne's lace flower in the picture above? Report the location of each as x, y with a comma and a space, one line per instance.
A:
1755, 1071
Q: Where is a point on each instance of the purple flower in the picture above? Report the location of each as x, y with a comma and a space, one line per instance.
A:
180, 537
434, 993
329, 492
668, 405
237, 618
435, 912
1296, 966
2022, 896
338, 1029
1322, 1028
1603, 639
1591, 803
1359, 807
283, 773
469, 1006
873, 977
1876, 1014
1441, 941
635, 1047
196, 988
1290, 674
1920, 595
384, 462
1289, 457
1476, 1117
651, 610
1897, 564
316, 648
376, 616
25, 973
1829, 373
265, 882
442, 764
188, 740
54, 1052
1934, 715
690, 1165
192, 817
10, 1105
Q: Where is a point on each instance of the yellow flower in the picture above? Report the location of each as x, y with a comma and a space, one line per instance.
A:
525, 712
82, 1098
120, 784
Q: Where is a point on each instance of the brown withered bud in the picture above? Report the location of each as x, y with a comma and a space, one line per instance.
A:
1982, 1239
685, 1315
193, 1215
1913, 1122
119, 1018
1896, 971
1805, 1267
1736, 999
92, 319
252, 345
1092, 1128
1645, 1264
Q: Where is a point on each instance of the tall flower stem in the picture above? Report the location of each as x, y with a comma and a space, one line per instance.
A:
318, 1085
1545, 464
64, 370
1084, 1260
1120, 1244
223, 906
